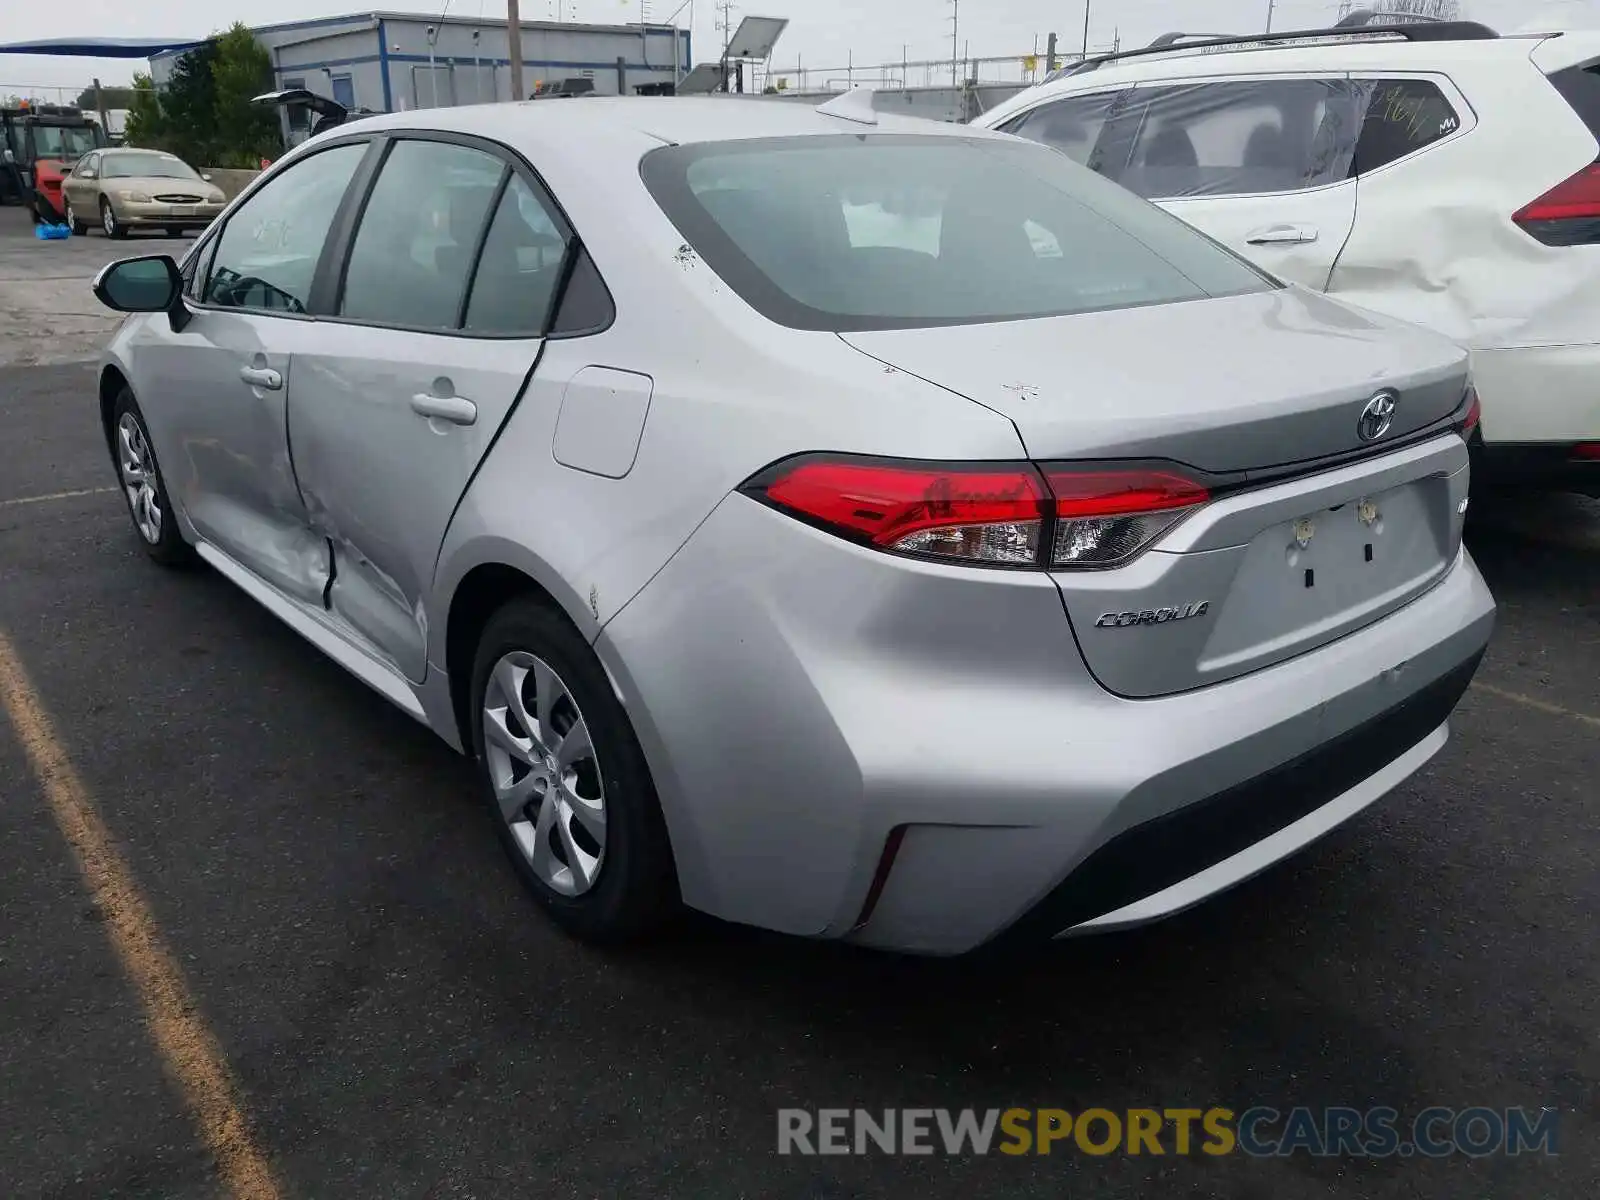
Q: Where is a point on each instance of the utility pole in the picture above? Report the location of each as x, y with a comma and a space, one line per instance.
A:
726, 7
514, 46
1271, 4
1086, 30
955, 42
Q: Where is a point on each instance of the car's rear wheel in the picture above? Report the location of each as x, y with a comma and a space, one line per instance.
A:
142, 485
174, 231
79, 226
108, 220
566, 783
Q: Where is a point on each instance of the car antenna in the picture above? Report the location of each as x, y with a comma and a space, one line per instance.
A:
854, 105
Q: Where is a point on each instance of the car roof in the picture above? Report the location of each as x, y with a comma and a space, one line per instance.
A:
664, 120
587, 151
1344, 54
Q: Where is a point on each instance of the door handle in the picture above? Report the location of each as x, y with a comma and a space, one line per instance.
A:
1283, 235
458, 410
261, 377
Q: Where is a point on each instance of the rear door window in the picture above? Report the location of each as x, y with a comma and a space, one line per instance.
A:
1400, 117
521, 265
1239, 137
1073, 126
419, 235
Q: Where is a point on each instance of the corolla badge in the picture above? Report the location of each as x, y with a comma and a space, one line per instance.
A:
1153, 616
1377, 416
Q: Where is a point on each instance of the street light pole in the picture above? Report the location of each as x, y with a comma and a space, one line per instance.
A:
514, 46
1086, 30
1271, 4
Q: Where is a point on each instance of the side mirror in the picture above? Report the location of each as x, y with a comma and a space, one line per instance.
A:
207, 178
143, 285
10, 157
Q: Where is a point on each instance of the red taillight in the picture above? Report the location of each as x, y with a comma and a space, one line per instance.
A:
1568, 214
1104, 518
1587, 451
1115, 493
1474, 414
995, 514
983, 513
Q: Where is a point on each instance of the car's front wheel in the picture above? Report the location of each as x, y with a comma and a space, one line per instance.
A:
108, 220
142, 485
565, 780
78, 225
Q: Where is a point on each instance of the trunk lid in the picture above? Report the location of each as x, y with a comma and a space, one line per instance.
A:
1229, 384
1290, 553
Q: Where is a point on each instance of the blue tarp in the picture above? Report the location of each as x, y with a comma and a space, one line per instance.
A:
102, 47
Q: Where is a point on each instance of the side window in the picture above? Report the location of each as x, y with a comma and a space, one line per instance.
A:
1072, 126
267, 254
1248, 137
1402, 115
520, 269
414, 248
586, 305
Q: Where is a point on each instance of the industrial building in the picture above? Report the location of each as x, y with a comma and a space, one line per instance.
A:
389, 62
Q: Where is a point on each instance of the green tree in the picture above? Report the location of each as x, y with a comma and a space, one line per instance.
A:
242, 70
189, 103
204, 113
147, 123
114, 97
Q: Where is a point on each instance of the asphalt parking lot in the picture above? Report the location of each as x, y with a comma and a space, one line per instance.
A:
395, 1020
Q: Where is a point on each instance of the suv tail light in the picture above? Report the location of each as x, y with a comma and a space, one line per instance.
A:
1469, 423
1568, 214
1586, 452
985, 514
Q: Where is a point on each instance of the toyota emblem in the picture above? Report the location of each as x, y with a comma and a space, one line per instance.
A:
1377, 416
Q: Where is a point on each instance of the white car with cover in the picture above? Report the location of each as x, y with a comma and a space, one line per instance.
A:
1440, 173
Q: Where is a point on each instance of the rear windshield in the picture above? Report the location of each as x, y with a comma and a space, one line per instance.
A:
885, 231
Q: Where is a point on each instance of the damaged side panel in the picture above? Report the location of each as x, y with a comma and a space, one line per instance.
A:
1436, 244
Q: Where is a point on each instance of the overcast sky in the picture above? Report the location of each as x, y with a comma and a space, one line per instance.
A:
821, 32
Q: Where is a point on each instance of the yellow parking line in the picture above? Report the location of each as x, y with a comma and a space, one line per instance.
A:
187, 1046
100, 491
1543, 706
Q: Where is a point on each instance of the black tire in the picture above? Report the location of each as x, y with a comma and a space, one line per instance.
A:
169, 549
108, 220
174, 231
80, 228
636, 888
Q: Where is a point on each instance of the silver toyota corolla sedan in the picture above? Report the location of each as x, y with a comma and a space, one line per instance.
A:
859, 527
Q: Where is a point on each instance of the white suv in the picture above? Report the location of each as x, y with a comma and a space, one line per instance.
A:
1438, 173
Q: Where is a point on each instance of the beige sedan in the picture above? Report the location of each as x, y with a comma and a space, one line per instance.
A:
123, 189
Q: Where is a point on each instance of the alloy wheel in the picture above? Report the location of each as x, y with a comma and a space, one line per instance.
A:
546, 775
72, 218
109, 219
138, 469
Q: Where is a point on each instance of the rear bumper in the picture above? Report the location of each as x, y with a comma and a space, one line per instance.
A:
1547, 466
1539, 395
1174, 861
807, 705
